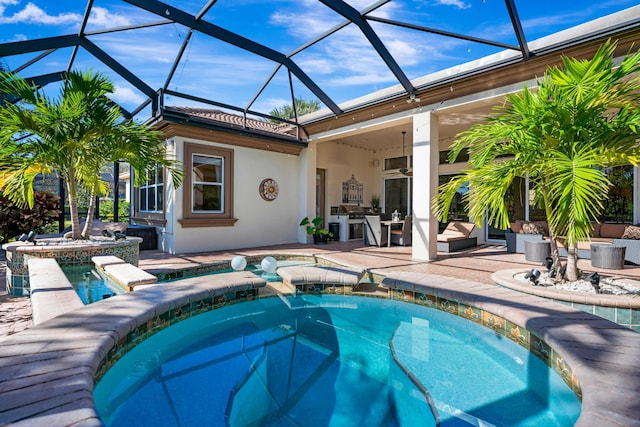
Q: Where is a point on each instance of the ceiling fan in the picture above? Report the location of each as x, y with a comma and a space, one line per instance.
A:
404, 171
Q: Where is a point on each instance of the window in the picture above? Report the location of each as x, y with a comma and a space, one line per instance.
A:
395, 163
207, 184
398, 195
207, 187
462, 157
151, 193
619, 206
148, 198
458, 210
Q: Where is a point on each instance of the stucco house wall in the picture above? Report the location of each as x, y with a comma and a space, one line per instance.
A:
259, 222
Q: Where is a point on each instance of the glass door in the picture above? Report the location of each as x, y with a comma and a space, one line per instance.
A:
397, 196
517, 202
321, 179
457, 210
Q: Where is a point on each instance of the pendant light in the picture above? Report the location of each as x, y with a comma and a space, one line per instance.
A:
404, 171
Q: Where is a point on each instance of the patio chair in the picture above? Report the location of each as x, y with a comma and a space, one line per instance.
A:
402, 237
456, 236
375, 233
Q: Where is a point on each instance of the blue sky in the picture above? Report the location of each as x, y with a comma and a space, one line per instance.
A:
343, 65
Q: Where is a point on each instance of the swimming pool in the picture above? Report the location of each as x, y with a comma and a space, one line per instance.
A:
253, 265
318, 360
93, 286
90, 285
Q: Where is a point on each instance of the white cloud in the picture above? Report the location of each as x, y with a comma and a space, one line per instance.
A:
269, 104
102, 18
346, 57
403, 51
126, 96
4, 3
33, 14
457, 3
148, 49
15, 38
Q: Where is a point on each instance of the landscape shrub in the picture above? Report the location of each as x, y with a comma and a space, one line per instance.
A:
14, 220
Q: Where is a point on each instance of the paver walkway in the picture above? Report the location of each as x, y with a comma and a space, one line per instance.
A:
15, 312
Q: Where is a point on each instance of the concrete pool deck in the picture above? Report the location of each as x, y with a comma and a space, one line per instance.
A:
47, 371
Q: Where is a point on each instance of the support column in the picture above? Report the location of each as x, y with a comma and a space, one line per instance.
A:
116, 195
425, 186
636, 197
307, 189
61, 193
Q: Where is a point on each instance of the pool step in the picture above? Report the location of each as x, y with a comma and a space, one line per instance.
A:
124, 274
320, 279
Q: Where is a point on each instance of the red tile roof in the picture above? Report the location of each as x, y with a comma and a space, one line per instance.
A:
235, 120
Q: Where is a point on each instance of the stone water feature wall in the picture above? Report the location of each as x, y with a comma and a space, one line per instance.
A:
66, 252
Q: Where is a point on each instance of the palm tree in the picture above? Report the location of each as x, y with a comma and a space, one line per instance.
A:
72, 136
5, 98
302, 106
583, 117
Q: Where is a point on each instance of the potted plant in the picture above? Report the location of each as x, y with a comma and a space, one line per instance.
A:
320, 235
375, 203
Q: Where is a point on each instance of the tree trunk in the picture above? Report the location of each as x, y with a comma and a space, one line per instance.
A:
73, 210
557, 265
572, 272
88, 224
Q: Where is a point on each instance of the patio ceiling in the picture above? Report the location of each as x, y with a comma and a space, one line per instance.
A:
248, 57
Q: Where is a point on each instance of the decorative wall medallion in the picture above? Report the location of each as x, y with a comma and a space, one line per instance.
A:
268, 189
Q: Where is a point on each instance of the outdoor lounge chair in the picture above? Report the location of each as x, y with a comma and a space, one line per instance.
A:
456, 236
402, 236
375, 233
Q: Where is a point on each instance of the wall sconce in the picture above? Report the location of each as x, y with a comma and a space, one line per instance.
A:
376, 163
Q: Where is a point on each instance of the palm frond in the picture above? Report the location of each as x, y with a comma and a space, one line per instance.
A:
577, 190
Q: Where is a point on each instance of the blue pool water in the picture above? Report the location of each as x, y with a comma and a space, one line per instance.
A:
90, 285
326, 361
256, 268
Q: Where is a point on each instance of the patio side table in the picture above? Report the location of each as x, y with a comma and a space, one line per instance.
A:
537, 250
604, 255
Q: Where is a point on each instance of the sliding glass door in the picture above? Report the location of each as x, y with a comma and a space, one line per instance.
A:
397, 195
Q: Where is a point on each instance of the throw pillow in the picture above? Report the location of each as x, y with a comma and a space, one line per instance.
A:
631, 232
542, 227
531, 228
516, 227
